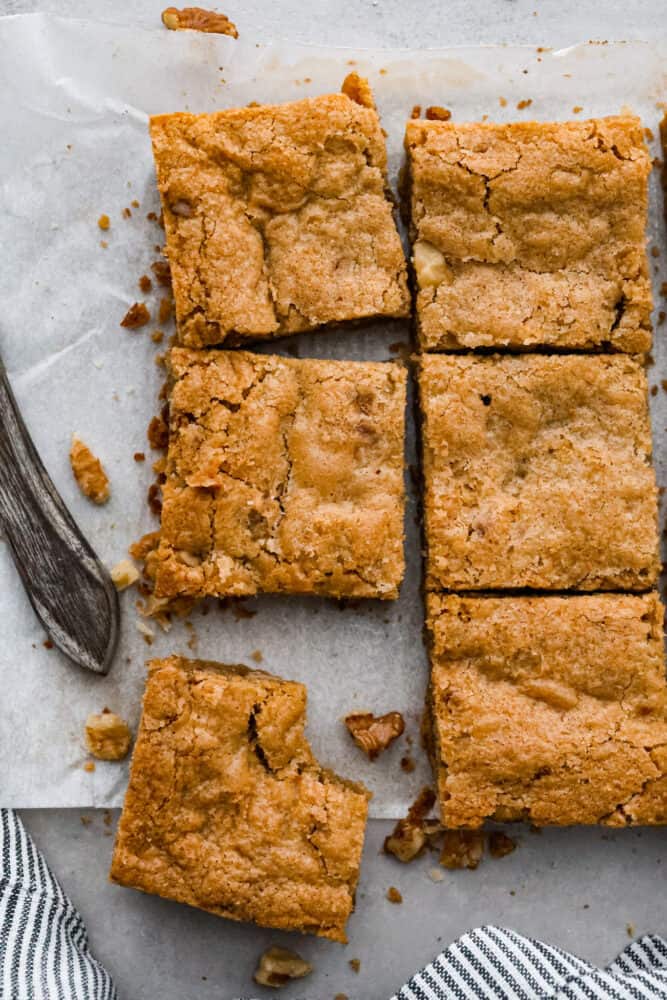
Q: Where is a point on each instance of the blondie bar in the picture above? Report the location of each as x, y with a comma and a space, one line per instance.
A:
530, 234
278, 217
538, 473
228, 810
282, 474
549, 709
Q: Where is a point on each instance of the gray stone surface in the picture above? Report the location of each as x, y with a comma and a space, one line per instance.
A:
582, 889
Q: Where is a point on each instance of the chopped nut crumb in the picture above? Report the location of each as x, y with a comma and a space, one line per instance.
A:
89, 766
435, 874
416, 111
151, 217
124, 574
437, 114
524, 104
277, 966
48, 644
355, 964
577, 109
197, 19
153, 499
104, 222
358, 90
137, 315
88, 472
408, 837
462, 849
654, 390
157, 336
162, 272
139, 456
104, 244
393, 895
164, 311
158, 433
146, 631
108, 736
145, 284
257, 656
374, 733
500, 844
134, 203
630, 930
407, 764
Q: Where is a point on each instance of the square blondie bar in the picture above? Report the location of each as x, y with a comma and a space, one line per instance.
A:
228, 810
282, 475
278, 218
537, 473
549, 710
530, 234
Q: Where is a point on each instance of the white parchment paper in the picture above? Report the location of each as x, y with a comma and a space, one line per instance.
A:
74, 101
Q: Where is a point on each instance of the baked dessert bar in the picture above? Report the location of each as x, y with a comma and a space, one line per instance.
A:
278, 218
530, 234
549, 709
228, 810
282, 474
537, 473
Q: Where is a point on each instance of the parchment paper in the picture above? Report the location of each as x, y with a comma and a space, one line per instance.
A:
74, 101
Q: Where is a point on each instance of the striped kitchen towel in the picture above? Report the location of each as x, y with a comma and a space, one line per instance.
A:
44, 951
43, 942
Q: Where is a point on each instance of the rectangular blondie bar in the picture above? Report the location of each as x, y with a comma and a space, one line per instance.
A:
550, 710
278, 217
530, 234
537, 473
228, 810
282, 475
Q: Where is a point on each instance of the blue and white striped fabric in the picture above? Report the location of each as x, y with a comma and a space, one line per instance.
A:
44, 951
498, 964
43, 942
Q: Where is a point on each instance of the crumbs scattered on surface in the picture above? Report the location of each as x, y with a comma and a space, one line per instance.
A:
526, 103
104, 222
436, 874
257, 656
630, 929
654, 390
108, 737
198, 19
502, 101
462, 849
124, 574
89, 766
435, 113
136, 316
577, 109
85, 820
355, 964
157, 336
393, 895
500, 844
47, 644
407, 764
139, 456
416, 111
158, 430
372, 733
162, 272
164, 310
127, 213
88, 471
145, 284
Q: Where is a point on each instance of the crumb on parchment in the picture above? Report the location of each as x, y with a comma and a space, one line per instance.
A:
372, 733
108, 736
198, 19
277, 966
124, 574
136, 316
104, 222
88, 472
393, 895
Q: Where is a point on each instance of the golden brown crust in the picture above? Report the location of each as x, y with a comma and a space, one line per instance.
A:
282, 475
540, 232
277, 219
549, 709
228, 810
538, 473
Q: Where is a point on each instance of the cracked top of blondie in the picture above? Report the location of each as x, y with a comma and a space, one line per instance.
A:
228, 810
282, 475
537, 473
278, 218
532, 233
549, 710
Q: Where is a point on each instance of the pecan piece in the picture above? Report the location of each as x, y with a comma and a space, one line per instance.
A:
198, 19
374, 733
108, 736
136, 316
409, 836
277, 966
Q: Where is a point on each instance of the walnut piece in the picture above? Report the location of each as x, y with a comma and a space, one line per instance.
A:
437, 114
409, 836
462, 848
197, 19
107, 736
430, 265
374, 733
277, 966
136, 316
124, 574
357, 88
88, 472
